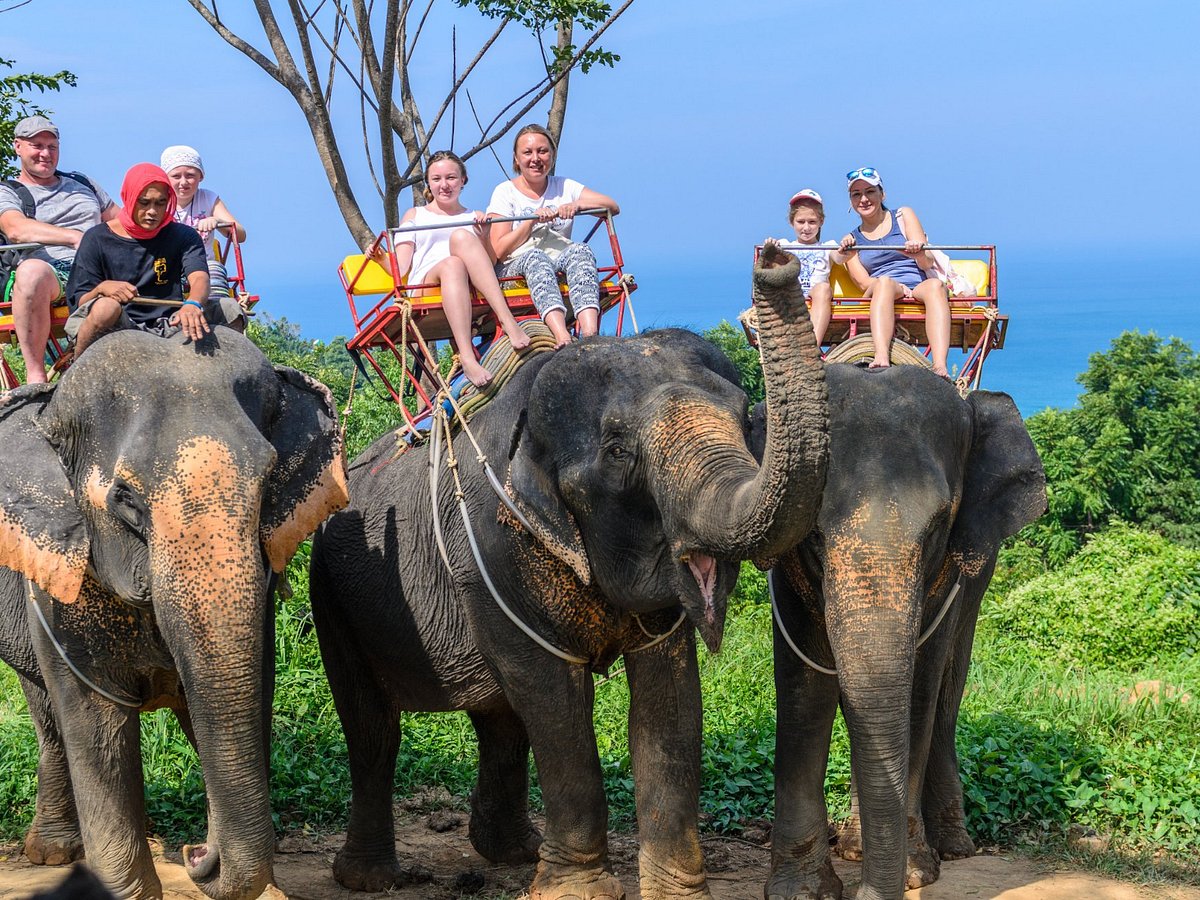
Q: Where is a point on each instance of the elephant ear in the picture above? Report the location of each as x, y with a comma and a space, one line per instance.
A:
308, 482
1004, 488
42, 532
538, 498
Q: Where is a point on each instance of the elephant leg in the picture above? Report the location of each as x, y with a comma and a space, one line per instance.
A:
942, 798
53, 839
923, 864
500, 829
102, 742
367, 861
664, 745
806, 702
849, 837
555, 702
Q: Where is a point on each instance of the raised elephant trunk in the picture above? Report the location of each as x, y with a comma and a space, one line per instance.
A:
735, 508
211, 605
873, 623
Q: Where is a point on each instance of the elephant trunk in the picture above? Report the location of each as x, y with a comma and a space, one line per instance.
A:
873, 623
210, 598
739, 509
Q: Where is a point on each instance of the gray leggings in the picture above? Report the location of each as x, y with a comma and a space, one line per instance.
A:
540, 272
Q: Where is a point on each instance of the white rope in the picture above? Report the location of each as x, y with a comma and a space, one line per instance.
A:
441, 426
925, 635
70, 665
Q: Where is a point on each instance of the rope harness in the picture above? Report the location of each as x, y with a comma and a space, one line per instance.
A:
441, 434
62, 652
925, 635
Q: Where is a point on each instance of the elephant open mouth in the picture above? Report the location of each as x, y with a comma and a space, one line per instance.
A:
705, 604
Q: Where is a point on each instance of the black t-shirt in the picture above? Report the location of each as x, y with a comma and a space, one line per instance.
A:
156, 267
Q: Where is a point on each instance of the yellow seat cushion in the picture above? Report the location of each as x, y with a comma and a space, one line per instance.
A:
374, 280
975, 270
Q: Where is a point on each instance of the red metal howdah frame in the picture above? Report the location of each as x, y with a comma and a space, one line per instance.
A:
381, 325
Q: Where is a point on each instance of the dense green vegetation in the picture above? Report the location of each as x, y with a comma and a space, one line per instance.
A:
1082, 707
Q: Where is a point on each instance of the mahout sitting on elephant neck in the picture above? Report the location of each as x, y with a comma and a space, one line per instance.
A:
151, 497
640, 503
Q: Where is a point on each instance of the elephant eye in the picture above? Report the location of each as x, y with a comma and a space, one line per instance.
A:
124, 504
616, 451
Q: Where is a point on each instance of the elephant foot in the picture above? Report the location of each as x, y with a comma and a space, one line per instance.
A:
666, 879
786, 883
923, 864
357, 874
562, 883
849, 840
952, 841
51, 847
510, 846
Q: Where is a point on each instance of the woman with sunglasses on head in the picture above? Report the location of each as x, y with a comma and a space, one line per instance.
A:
886, 276
539, 250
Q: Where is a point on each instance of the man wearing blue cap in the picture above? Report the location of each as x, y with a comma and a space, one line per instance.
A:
48, 207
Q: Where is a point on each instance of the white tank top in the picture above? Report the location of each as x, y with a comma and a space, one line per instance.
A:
432, 246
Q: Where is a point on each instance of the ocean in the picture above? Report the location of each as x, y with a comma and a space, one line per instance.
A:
1061, 310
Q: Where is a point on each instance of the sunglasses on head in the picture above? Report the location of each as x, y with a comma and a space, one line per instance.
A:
865, 172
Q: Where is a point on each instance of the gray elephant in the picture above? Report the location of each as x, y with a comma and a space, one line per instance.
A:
635, 496
147, 499
922, 488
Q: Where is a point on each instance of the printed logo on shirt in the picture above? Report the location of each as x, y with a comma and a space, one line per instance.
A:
160, 270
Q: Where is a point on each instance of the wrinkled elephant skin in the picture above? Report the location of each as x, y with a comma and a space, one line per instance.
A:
922, 488
150, 498
628, 460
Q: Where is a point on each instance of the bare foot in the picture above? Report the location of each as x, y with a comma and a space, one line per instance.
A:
941, 370
516, 336
478, 375
878, 363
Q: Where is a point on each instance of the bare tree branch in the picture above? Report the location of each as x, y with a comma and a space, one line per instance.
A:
558, 104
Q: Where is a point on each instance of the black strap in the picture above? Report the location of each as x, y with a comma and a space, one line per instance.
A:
29, 205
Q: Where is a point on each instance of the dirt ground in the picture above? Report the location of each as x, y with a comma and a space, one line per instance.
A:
737, 869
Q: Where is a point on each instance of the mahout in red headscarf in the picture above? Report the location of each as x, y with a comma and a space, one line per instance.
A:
137, 179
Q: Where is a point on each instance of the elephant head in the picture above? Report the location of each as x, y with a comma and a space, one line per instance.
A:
176, 478
631, 462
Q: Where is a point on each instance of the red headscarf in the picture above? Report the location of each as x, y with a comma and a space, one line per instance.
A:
137, 180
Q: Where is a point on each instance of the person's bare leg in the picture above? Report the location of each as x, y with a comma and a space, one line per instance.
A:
932, 293
451, 275
883, 319
34, 291
589, 321
821, 311
467, 247
556, 321
102, 317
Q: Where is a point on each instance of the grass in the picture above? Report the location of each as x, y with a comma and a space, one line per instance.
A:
1043, 745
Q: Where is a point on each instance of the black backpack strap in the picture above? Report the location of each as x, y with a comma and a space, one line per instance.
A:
81, 178
28, 205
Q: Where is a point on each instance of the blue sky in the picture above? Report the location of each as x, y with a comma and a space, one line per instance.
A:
1063, 132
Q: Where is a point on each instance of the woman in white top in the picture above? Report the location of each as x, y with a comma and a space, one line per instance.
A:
539, 250
201, 208
453, 259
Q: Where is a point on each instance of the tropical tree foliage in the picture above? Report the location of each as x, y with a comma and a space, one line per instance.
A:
16, 103
1129, 450
732, 340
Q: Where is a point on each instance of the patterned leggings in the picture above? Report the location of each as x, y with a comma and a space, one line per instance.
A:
540, 272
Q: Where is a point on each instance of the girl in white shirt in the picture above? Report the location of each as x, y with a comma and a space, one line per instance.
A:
539, 250
450, 260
